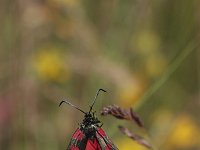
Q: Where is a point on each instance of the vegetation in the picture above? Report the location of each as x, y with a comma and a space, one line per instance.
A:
144, 53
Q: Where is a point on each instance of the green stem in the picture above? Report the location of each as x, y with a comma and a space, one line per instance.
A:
171, 69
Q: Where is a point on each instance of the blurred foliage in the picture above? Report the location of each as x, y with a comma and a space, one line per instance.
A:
145, 53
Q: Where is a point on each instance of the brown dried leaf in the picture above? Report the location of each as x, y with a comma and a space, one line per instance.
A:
120, 113
135, 137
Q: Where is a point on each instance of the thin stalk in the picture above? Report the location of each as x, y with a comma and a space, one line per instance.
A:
168, 73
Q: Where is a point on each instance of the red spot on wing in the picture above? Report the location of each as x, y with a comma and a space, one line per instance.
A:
78, 135
93, 145
77, 139
100, 131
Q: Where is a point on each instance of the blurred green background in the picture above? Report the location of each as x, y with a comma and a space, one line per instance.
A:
144, 53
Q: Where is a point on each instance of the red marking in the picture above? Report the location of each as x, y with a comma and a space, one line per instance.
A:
78, 135
101, 132
93, 145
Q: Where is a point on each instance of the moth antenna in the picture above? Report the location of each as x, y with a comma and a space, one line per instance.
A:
91, 106
71, 105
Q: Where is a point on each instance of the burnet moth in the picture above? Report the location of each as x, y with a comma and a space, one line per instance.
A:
90, 135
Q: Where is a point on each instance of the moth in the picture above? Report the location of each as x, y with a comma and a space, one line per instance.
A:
89, 135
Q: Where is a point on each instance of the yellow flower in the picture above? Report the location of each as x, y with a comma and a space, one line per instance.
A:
50, 65
185, 133
147, 42
130, 93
